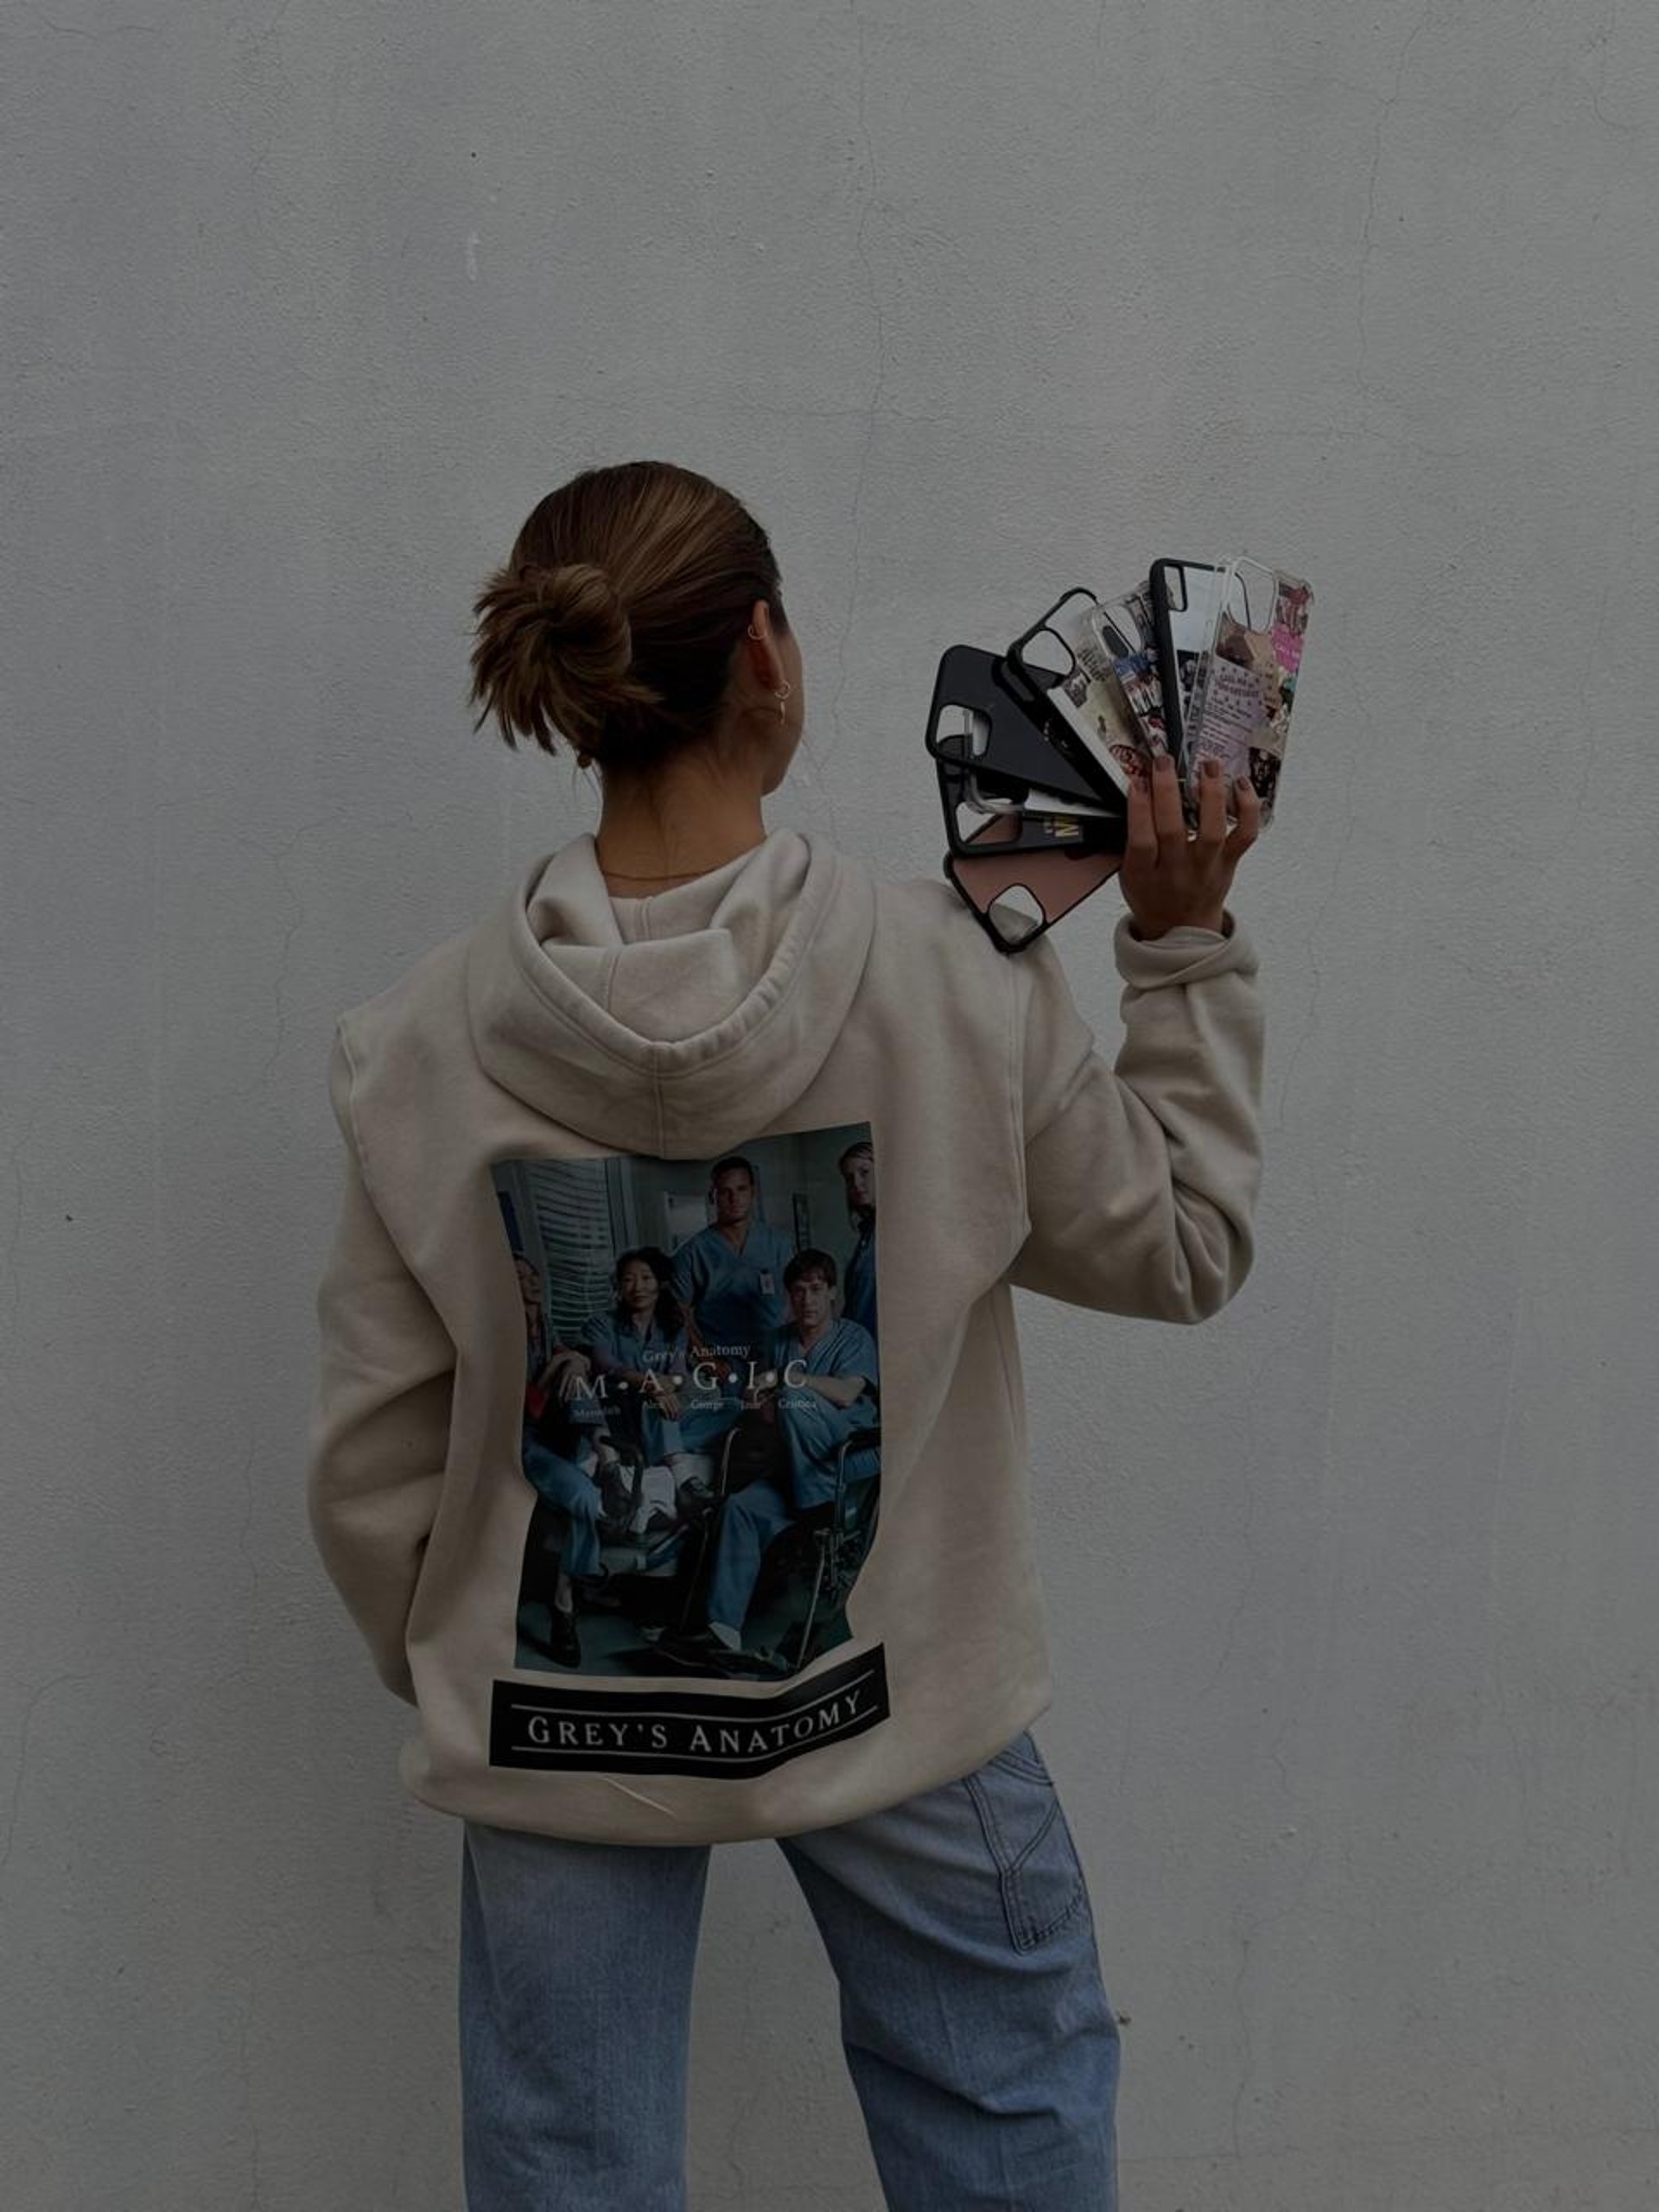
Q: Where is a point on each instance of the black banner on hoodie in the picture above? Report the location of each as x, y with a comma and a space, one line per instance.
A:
685, 1732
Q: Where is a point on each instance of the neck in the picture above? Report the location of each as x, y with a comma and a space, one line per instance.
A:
686, 822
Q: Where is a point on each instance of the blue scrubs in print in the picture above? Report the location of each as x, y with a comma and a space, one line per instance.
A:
858, 1279
554, 1475
738, 1296
812, 1431
812, 1428
614, 1342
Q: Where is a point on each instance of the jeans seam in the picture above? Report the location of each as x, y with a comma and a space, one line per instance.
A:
1015, 1762
1037, 1934
1010, 1869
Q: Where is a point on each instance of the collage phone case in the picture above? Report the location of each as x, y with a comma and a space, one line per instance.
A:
1245, 682
1128, 636
1065, 659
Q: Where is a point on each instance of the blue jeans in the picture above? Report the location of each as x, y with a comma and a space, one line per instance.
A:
977, 2032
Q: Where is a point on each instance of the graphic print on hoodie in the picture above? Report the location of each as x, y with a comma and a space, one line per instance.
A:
701, 1441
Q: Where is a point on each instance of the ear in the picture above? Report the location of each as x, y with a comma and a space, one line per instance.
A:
761, 640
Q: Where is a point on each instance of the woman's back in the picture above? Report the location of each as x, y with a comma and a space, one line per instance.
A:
580, 1072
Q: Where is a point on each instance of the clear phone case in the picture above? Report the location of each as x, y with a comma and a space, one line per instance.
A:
1185, 596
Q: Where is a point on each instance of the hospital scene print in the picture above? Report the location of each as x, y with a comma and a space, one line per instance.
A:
700, 1442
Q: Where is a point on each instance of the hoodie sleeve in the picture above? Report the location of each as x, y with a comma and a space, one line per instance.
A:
380, 1420
1140, 1178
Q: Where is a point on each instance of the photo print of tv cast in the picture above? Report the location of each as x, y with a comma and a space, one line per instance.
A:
700, 1440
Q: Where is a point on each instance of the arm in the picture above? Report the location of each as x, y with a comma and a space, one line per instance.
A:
1141, 1177
842, 1390
380, 1420
599, 1336
688, 1288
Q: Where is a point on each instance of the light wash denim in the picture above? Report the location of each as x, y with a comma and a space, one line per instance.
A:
977, 2031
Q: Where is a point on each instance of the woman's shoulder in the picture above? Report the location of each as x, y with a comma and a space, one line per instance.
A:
429, 989
417, 1029
925, 929
931, 905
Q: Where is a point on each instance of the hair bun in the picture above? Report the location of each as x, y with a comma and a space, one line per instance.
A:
584, 619
613, 622
584, 652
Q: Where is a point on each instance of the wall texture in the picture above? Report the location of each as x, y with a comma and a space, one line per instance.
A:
1352, 1590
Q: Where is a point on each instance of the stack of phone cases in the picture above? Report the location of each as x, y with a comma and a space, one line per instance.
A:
1034, 747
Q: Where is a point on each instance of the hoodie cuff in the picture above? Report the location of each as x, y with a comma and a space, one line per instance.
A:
1185, 954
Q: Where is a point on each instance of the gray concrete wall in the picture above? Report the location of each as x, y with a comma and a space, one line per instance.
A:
1353, 1591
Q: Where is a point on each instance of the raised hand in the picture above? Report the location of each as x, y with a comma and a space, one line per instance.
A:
1169, 877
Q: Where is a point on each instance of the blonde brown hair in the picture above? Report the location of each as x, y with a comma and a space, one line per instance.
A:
614, 619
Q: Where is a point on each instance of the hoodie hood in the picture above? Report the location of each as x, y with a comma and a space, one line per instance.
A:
681, 1024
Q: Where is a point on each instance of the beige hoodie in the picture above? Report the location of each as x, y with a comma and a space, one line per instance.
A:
834, 1453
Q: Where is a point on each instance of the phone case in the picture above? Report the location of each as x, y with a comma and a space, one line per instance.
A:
1184, 598
997, 794
1129, 637
1245, 683
978, 720
1054, 882
968, 827
1085, 691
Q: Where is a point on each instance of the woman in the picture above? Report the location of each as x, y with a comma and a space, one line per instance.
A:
554, 1371
639, 1342
562, 1541
683, 985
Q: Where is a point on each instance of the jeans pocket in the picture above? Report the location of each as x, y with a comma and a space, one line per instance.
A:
1038, 1869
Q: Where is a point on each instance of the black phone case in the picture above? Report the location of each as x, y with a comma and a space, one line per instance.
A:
1020, 832
1021, 742
1051, 870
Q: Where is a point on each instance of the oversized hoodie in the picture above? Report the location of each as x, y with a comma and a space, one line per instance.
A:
668, 1449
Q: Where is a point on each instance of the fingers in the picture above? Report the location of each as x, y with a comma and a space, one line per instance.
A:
1213, 811
1168, 876
1140, 845
1168, 818
1155, 817
1248, 802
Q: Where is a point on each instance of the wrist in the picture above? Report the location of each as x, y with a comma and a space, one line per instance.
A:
1214, 919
